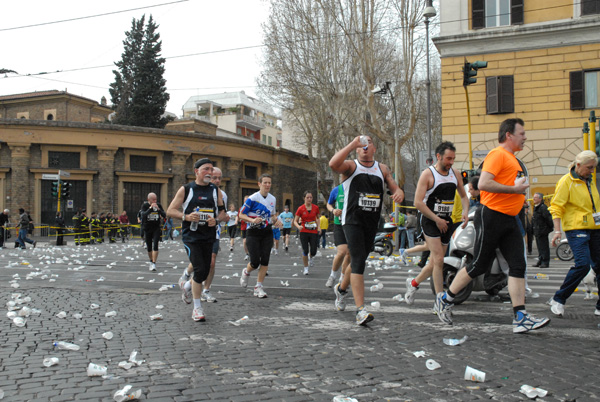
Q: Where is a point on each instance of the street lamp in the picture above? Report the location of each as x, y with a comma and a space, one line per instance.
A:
428, 13
384, 89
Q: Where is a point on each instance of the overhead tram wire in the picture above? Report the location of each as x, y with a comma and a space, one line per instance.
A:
91, 16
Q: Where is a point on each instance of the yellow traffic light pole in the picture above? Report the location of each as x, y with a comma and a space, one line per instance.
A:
469, 127
593, 139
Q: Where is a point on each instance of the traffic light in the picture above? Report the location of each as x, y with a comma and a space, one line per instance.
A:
467, 174
55, 189
470, 71
66, 190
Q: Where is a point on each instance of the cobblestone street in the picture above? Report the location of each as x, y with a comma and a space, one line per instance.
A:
294, 345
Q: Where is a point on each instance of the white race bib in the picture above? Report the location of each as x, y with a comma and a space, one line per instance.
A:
442, 209
369, 201
205, 215
310, 225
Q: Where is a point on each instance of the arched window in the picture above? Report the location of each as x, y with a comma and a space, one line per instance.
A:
50, 116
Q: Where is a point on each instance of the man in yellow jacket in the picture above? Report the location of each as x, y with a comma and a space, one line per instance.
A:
324, 225
576, 204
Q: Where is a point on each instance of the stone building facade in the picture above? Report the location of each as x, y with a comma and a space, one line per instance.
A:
112, 168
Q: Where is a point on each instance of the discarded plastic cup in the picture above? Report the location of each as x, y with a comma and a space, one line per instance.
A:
374, 288
11, 314
475, 375
419, 353
124, 394
19, 321
375, 305
25, 312
432, 364
125, 365
237, 323
342, 398
380, 285
94, 306
62, 314
133, 358
398, 298
66, 345
107, 335
111, 314
95, 370
454, 342
156, 317
532, 392
50, 361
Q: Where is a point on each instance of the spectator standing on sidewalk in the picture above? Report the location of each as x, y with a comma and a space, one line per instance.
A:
542, 227
323, 225
24, 221
3, 224
576, 205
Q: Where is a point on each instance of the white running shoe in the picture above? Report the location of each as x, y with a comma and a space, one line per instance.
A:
260, 292
557, 308
152, 267
403, 256
246, 257
409, 296
207, 297
276, 252
311, 262
198, 314
443, 308
363, 317
305, 270
340, 298
244, 278
330, 281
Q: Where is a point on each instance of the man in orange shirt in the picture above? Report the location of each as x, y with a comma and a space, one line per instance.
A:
503, 183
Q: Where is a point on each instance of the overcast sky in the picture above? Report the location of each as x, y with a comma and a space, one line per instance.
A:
185, 27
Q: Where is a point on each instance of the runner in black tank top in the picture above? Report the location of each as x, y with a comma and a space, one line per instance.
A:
363, 181
203, 196
434, 198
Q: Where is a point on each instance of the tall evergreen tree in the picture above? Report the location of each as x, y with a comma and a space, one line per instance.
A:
138, 94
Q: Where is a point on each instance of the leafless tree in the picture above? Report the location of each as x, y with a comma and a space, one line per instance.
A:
323, 58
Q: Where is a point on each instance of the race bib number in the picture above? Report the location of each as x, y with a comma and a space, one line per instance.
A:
596, 217
288, 220
442, 209
369, 201
153, 216
310, 225
205, 215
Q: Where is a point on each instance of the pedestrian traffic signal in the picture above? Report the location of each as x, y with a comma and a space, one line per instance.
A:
55, 189
66, 190
470, 71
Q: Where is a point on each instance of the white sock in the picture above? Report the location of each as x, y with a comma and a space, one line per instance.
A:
185, 273
258, 285
333, 273
341, 277
188, 285
197, 303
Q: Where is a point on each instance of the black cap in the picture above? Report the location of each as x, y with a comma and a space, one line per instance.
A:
201, 162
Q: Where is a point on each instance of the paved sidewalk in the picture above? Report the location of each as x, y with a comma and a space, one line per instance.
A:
293, 347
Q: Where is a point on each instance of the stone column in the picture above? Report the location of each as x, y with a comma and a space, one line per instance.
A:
20, 189
234, 172
178, 168
106, 180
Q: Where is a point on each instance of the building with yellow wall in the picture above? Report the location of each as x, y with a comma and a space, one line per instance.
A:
543, 67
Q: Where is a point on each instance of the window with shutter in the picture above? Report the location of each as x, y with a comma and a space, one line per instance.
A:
516, 12
576, 89
478, 14
491, 90
590, 7
500, 96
